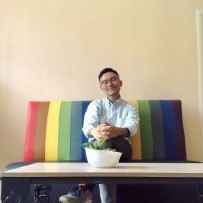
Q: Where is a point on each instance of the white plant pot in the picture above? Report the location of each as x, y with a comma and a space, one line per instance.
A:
102, 158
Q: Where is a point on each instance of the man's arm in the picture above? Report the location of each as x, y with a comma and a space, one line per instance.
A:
91, 118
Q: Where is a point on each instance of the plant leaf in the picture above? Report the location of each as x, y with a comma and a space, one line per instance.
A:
99, 144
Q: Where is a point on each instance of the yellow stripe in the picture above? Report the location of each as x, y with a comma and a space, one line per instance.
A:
51, 143
136, 140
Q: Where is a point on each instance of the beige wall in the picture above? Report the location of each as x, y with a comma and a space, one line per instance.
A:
53, 50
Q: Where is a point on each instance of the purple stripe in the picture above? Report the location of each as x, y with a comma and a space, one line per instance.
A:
177, 110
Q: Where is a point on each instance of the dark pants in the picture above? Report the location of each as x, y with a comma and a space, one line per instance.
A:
120, 144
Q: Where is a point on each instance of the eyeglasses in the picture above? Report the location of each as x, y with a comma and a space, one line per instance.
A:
111, 80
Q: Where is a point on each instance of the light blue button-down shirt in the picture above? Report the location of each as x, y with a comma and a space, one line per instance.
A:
120, 114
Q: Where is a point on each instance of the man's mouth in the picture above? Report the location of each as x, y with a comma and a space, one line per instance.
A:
112, 88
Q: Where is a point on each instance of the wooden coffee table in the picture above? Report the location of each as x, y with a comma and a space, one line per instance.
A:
17, 180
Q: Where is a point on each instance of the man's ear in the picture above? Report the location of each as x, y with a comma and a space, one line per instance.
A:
121, 83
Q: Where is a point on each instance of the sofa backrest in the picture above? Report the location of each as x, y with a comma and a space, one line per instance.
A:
54, 131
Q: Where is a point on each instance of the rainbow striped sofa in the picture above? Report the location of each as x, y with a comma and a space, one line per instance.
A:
53, 131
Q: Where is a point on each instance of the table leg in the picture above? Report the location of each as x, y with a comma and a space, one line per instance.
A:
14, 190
41, 193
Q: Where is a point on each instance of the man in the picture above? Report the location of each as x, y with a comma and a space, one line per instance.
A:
113, 117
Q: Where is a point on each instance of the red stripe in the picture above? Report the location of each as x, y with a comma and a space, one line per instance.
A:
30, 131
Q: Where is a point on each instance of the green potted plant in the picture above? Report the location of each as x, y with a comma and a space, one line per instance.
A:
99, 156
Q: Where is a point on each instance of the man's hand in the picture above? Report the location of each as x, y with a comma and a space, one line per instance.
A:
100, 131
108, 130
105, 129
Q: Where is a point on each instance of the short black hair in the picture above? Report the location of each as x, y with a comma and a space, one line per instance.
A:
105, 70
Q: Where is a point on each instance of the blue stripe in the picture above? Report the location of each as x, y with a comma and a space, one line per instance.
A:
169, 130
76, 128
157, 130
84, 139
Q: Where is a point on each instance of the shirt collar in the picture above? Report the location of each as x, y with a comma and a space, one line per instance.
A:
113, 104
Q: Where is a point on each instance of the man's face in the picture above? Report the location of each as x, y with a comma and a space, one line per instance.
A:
110, 84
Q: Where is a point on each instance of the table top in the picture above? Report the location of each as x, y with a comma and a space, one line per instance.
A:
47, 169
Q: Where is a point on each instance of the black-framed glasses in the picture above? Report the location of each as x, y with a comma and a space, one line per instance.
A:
111, 80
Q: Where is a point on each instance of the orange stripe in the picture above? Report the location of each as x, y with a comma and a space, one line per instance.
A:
40, 132
136, 140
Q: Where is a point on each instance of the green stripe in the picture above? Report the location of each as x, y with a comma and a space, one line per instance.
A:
64, 131
146, 130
